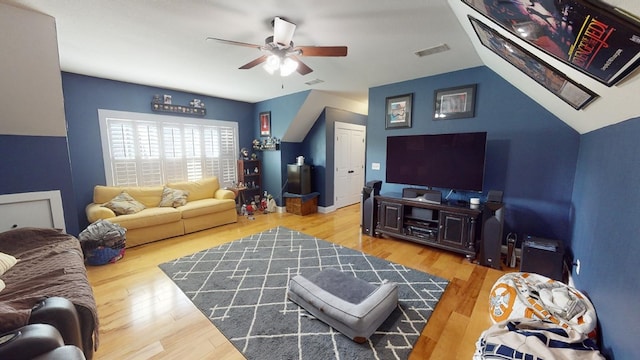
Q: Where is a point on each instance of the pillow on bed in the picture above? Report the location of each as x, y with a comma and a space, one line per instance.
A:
173, 197
6, 262
124, 204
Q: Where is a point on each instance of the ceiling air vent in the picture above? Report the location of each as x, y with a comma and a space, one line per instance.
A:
313, 82
432, 50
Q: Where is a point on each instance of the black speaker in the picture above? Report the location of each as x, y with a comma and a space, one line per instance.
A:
369, 206
494, 196
492, 227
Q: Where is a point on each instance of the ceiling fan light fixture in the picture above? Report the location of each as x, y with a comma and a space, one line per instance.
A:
288, 67
272, 64
283, 32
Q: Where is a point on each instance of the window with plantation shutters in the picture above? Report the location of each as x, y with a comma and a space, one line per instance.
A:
147, 149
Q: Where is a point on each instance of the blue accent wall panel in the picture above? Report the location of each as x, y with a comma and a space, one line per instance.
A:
333, 115
84, 95
283, 111
38, 163
315, 148
531, 154
606, 232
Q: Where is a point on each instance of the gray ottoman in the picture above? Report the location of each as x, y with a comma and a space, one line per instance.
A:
350, 305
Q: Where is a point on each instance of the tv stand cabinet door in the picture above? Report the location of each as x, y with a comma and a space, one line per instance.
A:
391, 217
454, 230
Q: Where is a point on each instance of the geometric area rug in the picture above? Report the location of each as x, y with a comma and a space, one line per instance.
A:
242, 287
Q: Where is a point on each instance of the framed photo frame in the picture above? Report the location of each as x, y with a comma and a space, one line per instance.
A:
455, 103
598, 39
398, 111
551, 79
265, 123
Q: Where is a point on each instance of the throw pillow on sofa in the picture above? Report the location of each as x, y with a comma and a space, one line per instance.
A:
173, 197
6, 262
124, 204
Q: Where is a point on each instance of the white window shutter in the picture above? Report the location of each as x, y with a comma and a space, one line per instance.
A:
146, 149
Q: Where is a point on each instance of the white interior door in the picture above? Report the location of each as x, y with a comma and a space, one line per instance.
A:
349, 158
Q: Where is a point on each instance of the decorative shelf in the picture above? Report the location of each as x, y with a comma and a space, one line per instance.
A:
269, 147
178, 109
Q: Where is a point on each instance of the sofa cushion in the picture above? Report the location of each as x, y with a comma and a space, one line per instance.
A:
173, 197
149, 196
124, 204
205, 206
199, 189
148, 217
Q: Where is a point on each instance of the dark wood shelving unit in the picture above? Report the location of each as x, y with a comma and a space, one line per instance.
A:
251, 179
445, 226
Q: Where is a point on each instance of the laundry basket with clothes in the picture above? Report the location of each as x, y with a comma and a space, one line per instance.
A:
103, 242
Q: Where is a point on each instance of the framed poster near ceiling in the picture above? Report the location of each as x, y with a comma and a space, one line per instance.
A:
595, 38
551, 79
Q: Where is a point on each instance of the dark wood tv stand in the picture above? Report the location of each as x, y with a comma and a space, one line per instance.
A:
448, 226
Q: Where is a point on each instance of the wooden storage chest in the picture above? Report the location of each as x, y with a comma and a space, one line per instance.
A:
302, 206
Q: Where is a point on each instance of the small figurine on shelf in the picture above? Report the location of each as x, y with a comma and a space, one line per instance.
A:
254, 156
196, 103
256, 144
244, 154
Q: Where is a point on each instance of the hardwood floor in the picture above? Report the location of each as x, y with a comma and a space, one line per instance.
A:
143, 315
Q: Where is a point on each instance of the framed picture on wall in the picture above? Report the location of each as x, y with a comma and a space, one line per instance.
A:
558, 83
455, 103
265, 123
398, 111
598, 39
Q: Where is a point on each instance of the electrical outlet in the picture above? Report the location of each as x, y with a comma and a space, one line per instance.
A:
577, 266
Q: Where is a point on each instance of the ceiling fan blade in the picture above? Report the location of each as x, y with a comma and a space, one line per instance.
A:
302, 69
238, 43
322, 50
254, 62
283, 31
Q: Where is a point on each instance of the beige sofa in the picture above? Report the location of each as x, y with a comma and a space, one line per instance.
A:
207, 206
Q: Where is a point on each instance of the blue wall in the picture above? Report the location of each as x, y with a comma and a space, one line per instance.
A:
283, 111
38, 163
83, 97
606, 234
314, 148
319, 145
531, 154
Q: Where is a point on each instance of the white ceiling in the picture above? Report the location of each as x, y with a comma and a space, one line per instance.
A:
163, 43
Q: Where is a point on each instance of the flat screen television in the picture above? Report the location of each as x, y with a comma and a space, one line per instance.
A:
450, 161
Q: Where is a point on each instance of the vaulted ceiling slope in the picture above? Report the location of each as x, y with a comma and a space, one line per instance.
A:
614, 104
163, 43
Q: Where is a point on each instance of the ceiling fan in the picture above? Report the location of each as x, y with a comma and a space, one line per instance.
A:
281, 54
